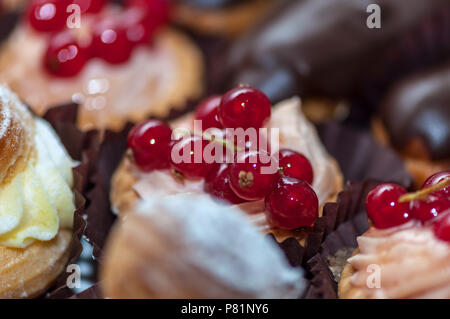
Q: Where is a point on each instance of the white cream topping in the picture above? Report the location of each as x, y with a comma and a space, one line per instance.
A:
215, 250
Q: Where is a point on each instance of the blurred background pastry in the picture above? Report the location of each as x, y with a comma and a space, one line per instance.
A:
120, 63
36, 201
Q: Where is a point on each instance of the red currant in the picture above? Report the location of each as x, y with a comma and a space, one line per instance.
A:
156, 12
295, 165
436, 178
90, 6
253, 175
207, 112
383, 207
134, 21
428, 209
48, 15
187, 157
244, 107
292, 204
110, 42
150, 143
441, 228
217, 184
64, 57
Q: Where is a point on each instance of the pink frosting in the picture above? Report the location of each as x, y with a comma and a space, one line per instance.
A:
410, 260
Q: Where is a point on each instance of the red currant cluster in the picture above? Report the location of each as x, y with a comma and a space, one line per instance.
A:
113, 36
390, 205
290, 201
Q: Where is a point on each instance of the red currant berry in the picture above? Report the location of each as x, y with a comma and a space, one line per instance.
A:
441, 228
244, 107
90, 6
187, 157
292, 204
48, 15
207, 112
295, 165
64, 57
383, 207
253, 175
436, 178
156, 12
110, 43
217, 184
150, 143
425, 210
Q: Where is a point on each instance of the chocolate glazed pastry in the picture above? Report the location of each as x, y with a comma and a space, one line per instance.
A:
326, 50
415, 119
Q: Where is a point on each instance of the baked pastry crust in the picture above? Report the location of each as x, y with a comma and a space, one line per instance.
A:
345, 288
29, 272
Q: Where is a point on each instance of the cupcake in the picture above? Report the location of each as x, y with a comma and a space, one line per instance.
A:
322, 56
189, 246
405, 253
220, 17
255, 173
414, 119
118, 62
37, 202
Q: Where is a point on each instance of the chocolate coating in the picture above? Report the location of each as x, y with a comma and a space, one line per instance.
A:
8, 21
419, 106
319, 47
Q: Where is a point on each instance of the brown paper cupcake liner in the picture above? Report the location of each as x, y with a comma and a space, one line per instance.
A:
425, 45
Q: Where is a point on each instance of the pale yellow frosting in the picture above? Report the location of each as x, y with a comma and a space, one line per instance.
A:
38, 200
296, 133
411, 263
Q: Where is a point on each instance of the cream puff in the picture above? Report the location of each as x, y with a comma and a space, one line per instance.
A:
189, 246
119, 63
36, 201
303, 166
406, 251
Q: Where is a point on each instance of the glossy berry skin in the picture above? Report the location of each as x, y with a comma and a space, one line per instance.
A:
217, 184
292, 204
207, 112
110, 43
246, 178
48, 15
187, 157
441, 228
244, 107
150, 144
64, 57
383, 207
90, 6
156, 12
293, 164
428, 209
436, 178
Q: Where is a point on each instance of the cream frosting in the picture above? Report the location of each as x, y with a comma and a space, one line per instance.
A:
412, 263
215, 252
296, 133
38, 200
108, 94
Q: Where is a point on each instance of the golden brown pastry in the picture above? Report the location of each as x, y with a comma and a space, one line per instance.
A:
36, 201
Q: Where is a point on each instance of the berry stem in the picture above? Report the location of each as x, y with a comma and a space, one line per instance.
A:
423, 193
